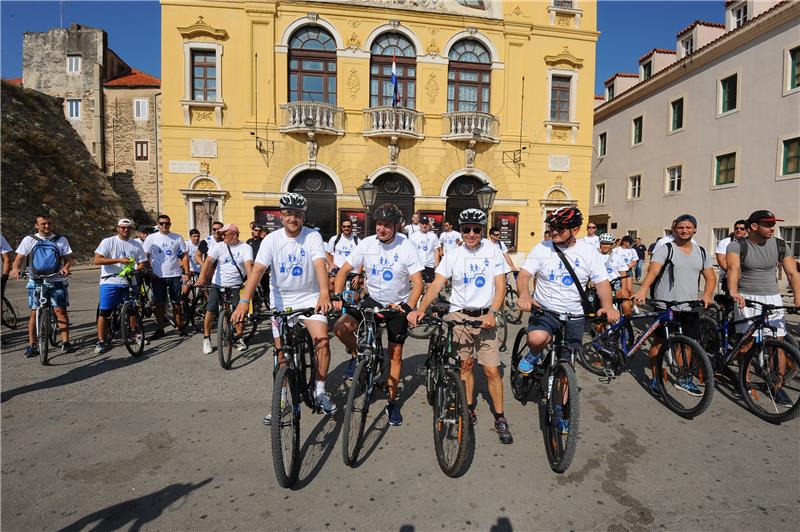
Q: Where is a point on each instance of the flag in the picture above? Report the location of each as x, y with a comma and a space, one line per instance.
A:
395, 91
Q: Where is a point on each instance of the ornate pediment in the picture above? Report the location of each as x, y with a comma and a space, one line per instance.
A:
200, 28
564, 58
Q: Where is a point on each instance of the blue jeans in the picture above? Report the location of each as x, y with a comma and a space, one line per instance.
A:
638, 268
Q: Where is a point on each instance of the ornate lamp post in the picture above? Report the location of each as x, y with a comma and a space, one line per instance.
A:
486, 197
368, 194
210, 206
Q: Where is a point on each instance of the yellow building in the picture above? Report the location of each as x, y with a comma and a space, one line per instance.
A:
264, 97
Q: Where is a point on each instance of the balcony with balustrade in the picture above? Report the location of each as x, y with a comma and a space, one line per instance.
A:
312, 117
393, 122
470, 126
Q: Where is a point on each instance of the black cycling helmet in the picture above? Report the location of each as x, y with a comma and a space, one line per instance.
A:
293, 202
388, 211
565, 218
472, 216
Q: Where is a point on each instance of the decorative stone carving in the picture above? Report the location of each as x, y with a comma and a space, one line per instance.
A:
353, 84
432, 88
353, 23
433, 48
469, 155
204, 184
472, 30
203, 116
394, 23
200, 27
564, 58
394, 152
353, 43
517, 11
312, 147
560, 135
204, 167
562, 20
557, 195
313, 17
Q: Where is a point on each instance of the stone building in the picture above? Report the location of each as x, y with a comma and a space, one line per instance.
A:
111, 105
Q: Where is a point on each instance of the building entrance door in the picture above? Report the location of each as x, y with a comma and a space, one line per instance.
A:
320, 192
393, 188
461, 196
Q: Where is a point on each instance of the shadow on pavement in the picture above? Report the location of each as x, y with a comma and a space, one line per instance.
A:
135, 513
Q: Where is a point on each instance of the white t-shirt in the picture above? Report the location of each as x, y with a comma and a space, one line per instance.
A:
502, 246
191, 249
473, 273
26, 246
593, 240
411, 229
293, 282
628, 256
722, 245
426, 244
114, 247
343, 248
226, 273
5, 247
614, 265
555, 288
449, 240
389, 267
139, 241
165, 251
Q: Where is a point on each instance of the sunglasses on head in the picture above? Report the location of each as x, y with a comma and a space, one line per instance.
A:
467, 230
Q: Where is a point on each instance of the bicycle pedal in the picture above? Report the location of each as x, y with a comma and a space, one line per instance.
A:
609, 374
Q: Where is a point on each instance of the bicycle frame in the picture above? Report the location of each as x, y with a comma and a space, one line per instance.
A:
662, 316
756, 324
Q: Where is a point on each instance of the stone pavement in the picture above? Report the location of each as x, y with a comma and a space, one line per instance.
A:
173, 442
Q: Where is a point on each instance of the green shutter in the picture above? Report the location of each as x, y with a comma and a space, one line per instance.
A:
791, 156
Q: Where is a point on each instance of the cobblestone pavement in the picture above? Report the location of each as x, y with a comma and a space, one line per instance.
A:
171, 441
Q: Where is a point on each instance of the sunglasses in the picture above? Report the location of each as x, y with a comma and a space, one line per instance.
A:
347, 227
740, 229
592, 227
495, 234
554, 229
467, 230
164, 223
128, 227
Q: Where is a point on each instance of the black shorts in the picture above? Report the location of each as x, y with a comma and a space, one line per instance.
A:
396, 324
428, 274
549, 324
688, 321
162, 286
215, 298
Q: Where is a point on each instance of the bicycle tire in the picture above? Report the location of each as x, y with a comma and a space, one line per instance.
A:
451, 425
54, 330
225, 339
513, 310
9, 314
355, 413
308, 366
708, 336
520, 385
759, 398
791, 340
285, 428
133, 339
671, 366
618, 341
502, 329
434, 350
43, 332
560, 452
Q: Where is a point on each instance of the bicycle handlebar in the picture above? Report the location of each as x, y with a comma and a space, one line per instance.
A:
561, 316
670, 304
289, 311
765, 307
435, 320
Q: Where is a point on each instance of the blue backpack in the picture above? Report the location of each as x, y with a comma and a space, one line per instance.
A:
45, 257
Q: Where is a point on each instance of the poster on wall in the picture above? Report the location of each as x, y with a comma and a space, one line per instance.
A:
269, 217
507, 222
436, 218
358, 217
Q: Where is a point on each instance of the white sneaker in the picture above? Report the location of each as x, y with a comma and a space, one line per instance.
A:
240, 345
207, 349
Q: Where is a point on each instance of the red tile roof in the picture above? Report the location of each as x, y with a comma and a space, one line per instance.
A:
14, 81
656, 51
134, 78
622, 75
701, 23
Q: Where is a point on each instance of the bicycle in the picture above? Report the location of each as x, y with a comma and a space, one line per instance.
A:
127, 319
446, 393
762, 361
511, 303
9, 314
226, 331
554, 381
46, 322
680, 359
295, 367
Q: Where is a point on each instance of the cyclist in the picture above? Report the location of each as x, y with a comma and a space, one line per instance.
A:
427, 249
739, 232
478, 273
449, 239
257, 236
616, 269
752, 266
390, 261
112, 255
5, 251
640, 253
628, 255
235, 265
339, 248
143, 232
191, 251
591, 235
50, 253
296, 255
494, 235
683, 261
214, 238
413, 227
167, 254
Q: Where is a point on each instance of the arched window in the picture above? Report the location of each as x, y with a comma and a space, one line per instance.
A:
312, 66
381, 91
468, 77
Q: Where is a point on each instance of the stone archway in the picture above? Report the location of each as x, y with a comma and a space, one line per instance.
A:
461, 195
320, 191
393, 188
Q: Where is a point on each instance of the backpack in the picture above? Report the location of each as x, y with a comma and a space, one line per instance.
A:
45, 257
743, 249
339, 237
668, 264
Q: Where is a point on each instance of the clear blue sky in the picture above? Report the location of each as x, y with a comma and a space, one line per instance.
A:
629, 29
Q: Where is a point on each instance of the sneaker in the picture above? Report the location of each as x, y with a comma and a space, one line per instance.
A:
66, 347
156, 335
241, 345
139, 339
782, 398
325, 403
473, 416
100, 348
562, 424
393, 413
527, 363
689, 387
350, 370
654, 387
501, 426
268, 419
31, 351
207, 349
183, 332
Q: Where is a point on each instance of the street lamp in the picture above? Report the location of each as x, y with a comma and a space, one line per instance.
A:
486, 197
210, 206
367, 193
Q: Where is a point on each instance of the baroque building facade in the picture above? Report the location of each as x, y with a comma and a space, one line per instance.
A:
261, 98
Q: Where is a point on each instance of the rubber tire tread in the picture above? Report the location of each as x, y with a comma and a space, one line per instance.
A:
135, 350
560, 466
514, 317
358, 389
520, 345
285, 478
224, 329
789, 351
452, 380
43, 328
8, 310
707, 368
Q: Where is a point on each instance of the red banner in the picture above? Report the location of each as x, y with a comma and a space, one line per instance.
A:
436, 218
269, 217
358, 217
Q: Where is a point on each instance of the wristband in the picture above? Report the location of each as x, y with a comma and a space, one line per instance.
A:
244, 301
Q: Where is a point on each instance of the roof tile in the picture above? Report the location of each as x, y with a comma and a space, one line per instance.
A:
134, 78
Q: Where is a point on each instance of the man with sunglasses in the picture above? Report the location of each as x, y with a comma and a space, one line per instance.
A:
739, 232
591, 235
449, 239
427, 249
494, 236
339, 248
208, 242
168, 256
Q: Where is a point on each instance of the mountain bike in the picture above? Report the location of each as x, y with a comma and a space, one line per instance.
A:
226, 330
46, 322
680, 360
513, 312
126, 319
294, 370
769, 364
554, 382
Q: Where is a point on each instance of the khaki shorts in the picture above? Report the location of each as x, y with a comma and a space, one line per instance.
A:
474, 342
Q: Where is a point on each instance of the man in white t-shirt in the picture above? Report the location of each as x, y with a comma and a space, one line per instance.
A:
449, 239
5, 250
234, 260
112, 255
477, 271
339, 248
191, 250
427, 249
591, 235
167, 254
390, 262
296, 256
39, 245
494, 236
739, 232
413, 227
617, 270
628, 255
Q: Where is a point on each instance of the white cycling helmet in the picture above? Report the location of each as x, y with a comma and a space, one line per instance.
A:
293, 202
607, 238
472, 216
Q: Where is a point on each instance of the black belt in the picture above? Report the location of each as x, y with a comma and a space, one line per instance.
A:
475, 312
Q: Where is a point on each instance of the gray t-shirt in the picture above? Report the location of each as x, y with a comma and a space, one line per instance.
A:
686, 269
758, 277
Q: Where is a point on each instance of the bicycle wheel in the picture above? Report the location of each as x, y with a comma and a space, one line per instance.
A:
55, 330
451, 434
708, 336
512, 308
520, 384
685, 376
132, 337
594, 358
308, 367
355, 413
285, 428
763, 372
250, 324
9, 314
422, 331
502, 329
434, 351
562, 418
43, 332
199, 304
225, 336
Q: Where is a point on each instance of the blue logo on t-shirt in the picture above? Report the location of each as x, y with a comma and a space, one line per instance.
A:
480, 281
168, 253
387, 275
297, 271
566, 280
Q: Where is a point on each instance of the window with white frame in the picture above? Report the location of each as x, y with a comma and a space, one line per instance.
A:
601, 144
633, 233
674, 179
790, 157
792, 237
563, 3
600, 193
609, 92
687, 46
793, 74
141, 150
740, 14
725, 169
73, 109
560, 88
73, 64
720, 233
634, 186
140, 106
637, 130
